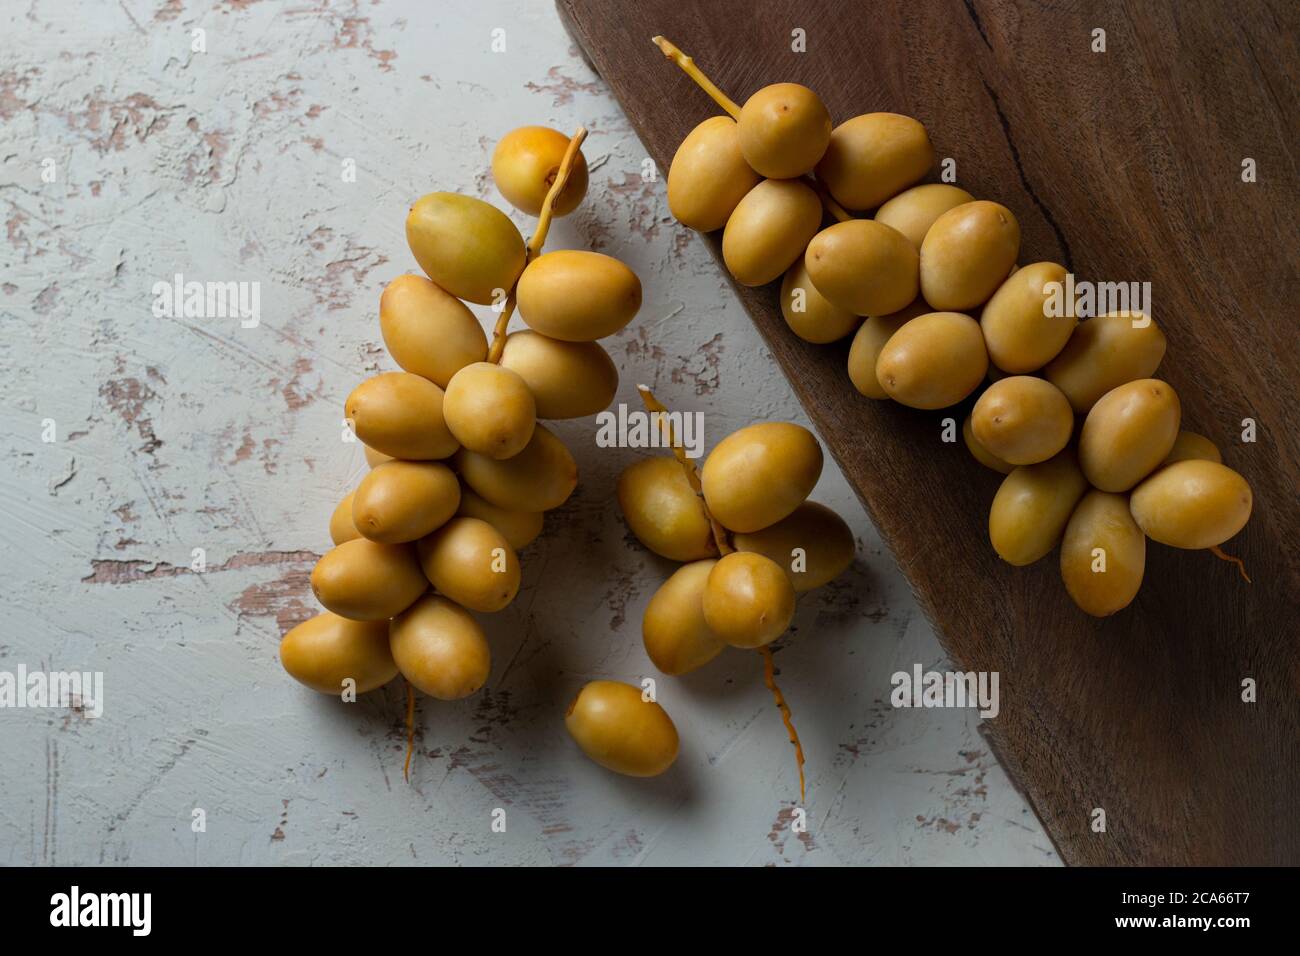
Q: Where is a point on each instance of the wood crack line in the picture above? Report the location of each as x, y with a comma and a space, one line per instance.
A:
1024, 180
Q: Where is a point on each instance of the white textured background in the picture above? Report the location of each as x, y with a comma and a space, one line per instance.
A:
175, 434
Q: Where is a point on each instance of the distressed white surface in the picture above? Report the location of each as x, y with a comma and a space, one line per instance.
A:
176, 434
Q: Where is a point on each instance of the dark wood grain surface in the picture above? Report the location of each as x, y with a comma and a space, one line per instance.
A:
1123, 165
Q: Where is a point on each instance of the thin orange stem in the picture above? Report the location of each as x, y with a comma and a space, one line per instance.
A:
769, 678
723, 544
537, 240
1241, 565
688, 67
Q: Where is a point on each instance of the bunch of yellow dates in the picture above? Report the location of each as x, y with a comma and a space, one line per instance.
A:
929, 289
462, 470
749, 541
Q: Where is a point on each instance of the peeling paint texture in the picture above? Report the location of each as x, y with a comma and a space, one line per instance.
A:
184, 443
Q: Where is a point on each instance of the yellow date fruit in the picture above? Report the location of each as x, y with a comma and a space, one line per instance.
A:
812, 544
748, 599
868, 342
1128, 433
341, 526
913, 211
873, 157
982, 454
578, 296
567, 379
1020, 335
967, 254
364, 580
439, 647
677, 638
525, 165
490, 410
769, 230
1192, 504
808, 313
863, 266
428, 331
400, 414
1022, 420
467, 246
620, 731
709, 175
520, 528
539, 478
472, 563
760, 473
1190, 445
404, 500
326, 650
663, 511
374, 457
933, 361
783, 130
1032, 506
1103, 554
1104, 353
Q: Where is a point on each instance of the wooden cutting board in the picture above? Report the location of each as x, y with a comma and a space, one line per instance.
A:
1124, 166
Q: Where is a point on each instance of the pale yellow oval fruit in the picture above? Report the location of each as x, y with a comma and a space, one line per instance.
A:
1190, 445
709, 175
663, 511
400, 414
1022, 420
913, 211
428, 331
1192, 504
868, 342
472, 563
520, 528
783, 129
863, 266
325, 651
1104, 353
490, 410
567, 379
578, 296
677, 638
1032, 506
620, 731
525, 165
1103, 554
760, 473
405, 500
1020, 335
808, 313
468, 247
374, 457
982, 454
539, 478
439, 647
748, 599
364, 580
933, 361
769, 230
341, 526
1128, 433
873, 157
967, 254
812, 544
